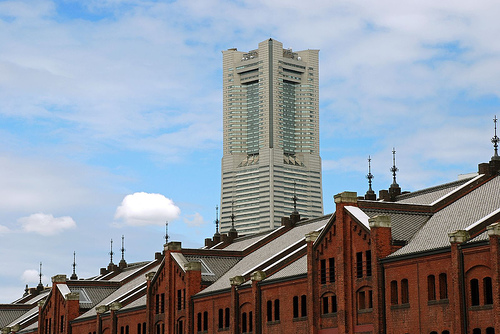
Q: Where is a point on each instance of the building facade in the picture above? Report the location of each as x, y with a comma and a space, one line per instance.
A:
423, 262
271, 136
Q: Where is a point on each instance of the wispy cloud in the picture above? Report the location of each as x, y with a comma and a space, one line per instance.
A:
46, 224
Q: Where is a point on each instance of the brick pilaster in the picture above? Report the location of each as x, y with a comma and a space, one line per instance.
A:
457, 280
312, 284
257, 277
494, 234
381, 244
235, 304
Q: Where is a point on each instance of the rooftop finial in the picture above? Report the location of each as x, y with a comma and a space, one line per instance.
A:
394, 169
294, 199
370, 176
166, 233
40, 285
123, 263
123, 248
370, 194
73, 275
232, 216
495, 141
216, 219
111, 253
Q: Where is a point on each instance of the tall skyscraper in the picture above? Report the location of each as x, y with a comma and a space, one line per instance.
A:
271, 137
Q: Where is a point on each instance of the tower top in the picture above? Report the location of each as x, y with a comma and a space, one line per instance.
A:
394, 169
370, 194
73, 275
495, 141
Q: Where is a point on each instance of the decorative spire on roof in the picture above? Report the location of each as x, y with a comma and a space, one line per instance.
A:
294, 199
394, 169
495, 141
73, 275
111, 253
166, 236
40, 285
216, 220
232, 217
370, 194
123, 263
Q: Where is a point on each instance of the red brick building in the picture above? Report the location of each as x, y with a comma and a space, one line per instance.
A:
421, 262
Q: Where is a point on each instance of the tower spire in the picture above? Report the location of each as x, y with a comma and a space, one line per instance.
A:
394, 189
73, 275
232, 217
216, 220
495, 141
294, 199
370, 194
166, 236
123, 263
40, 285
111, 253
394, 169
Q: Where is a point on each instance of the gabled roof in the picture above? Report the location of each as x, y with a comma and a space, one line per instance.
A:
267, 251
127, 293
461, 214
213, 267
429, 195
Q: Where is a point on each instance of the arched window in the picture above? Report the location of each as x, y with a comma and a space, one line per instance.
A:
490, 330
431, 288
488, 291
221, 318
394, 292
269, 311
205, 321
443, 286
334, 304
303, 306
445, 332
405, 299
434, 332
474, 292
325, 305
476, 331
250, 322
296, 306
227, 317
277, 310
244, 322
361, 300
198, 327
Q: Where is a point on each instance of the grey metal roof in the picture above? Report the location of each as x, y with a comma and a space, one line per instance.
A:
8, 316
213, 267
404, 224
91, 296
130, 270
141, 301
267, 251
457, 216
117, 294
243, 242
429, 195
295, 268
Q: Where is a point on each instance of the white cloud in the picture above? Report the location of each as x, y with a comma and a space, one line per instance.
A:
31, 276
46, 224
194, 220
143, 208
4, 229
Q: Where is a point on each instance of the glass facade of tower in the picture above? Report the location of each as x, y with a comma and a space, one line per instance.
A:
271, 136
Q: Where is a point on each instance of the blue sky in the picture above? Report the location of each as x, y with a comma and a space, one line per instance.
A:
111, 112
